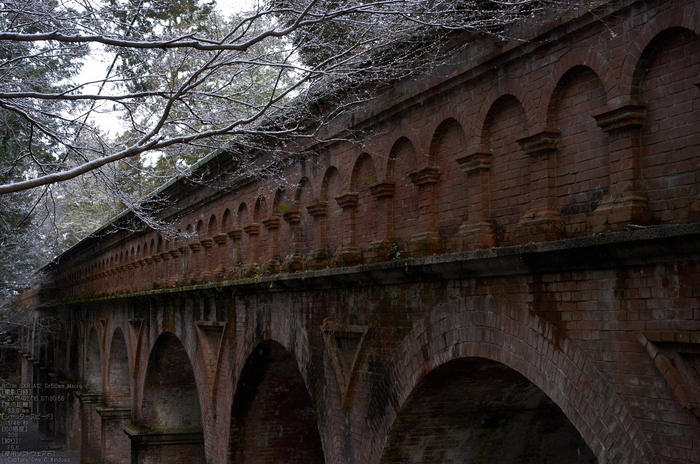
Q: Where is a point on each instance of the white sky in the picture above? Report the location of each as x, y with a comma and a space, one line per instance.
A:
96, 66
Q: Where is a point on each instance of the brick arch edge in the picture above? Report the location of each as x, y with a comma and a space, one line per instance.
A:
494, 329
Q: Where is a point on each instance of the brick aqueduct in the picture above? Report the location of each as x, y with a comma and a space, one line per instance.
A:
506, 270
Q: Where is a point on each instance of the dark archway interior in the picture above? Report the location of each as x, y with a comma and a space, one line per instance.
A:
118, 391
93, 364
170, 398
74, 356
273, 419
474, 411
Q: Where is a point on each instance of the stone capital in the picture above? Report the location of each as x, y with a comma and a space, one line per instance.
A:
628, 116
425, 176
347, 200
320, 208
384, 189
475, 159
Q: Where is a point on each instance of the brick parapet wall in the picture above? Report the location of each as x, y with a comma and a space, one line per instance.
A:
567, 315
538, 208
496, 182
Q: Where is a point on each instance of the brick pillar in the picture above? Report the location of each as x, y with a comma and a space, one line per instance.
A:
142, 277
164, 446
41, 391
293, 262
218, 257
626, 203
148, 273
61, 413
194, 264
116, 446
175, 271
205, 260
130, 281
379, 249
349, 254
252, 267
272, 224
542, 222
184, 264
319, 257
235, 235
164, 276
427, 241
478, 230
121, 277
91, 427
156, 270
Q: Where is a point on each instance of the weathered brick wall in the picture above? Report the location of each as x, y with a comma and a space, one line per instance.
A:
455, 209
585, 130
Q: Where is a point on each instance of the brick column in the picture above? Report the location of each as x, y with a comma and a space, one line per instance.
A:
175, 271
163, 445
319, 258
272, 224
218, 261
91, 427
626, 203
379, 248
293, 262
478, 230
205, 260
251, 267
426, 242
194, 264
349, 254
142, 276
235, 235
130, 272
542, 222
148, 273
164, 277
116, 446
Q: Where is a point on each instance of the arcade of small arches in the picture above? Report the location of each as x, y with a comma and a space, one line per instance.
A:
526, 170
154, 390
385, 307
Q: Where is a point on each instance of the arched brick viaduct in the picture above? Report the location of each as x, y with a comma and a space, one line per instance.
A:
506, 270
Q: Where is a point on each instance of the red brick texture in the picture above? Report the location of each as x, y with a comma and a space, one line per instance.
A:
491, 242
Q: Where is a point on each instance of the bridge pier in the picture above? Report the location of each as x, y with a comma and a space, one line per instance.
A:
501, 267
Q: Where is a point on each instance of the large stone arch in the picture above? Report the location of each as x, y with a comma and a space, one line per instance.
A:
116, 411
288, 331
168, 423
272, 416
117, 390
278, 326
477, 410
493, 329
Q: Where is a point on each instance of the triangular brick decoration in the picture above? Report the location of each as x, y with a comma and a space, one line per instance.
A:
677, 356
135, 329
344, 344
211, 335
